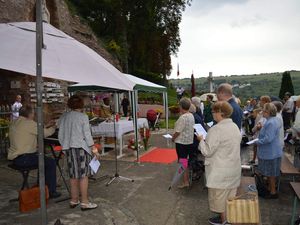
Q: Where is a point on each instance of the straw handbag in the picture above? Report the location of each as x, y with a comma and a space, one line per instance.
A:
243, 208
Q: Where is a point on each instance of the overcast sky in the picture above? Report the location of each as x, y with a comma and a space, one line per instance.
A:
234, 37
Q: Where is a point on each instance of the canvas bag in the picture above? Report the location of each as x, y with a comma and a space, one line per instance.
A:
243, 208
29, 199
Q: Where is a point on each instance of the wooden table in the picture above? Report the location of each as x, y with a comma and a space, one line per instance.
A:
117, 130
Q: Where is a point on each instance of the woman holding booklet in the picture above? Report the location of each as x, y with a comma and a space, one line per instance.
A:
184, 136
221, 149
76, 139
270, 148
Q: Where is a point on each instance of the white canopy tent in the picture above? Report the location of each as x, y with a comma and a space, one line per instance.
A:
144, 85
147, 86
64, 58
139, 85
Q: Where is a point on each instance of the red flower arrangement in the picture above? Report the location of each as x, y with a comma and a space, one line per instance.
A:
145, 135
131, 144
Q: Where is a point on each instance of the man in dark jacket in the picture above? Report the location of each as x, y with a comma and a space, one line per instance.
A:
224, 93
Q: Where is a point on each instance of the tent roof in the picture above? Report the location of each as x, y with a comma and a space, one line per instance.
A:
63, 57
91, 87
144, 85
139, 84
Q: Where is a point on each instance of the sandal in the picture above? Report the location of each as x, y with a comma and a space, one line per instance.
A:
88, 206
183, 186
74, 204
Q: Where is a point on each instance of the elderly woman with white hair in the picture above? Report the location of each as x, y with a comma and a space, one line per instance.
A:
270, 148
198, 113
295, 129
183, 136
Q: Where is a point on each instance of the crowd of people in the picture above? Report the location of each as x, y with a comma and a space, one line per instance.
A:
263, 119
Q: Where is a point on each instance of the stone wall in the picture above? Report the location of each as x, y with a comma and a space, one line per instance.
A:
8, 93
60, 17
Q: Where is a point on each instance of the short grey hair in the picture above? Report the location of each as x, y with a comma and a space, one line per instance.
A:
225, 89
185, 103
271, 109
26, 110
278, 105
196, 101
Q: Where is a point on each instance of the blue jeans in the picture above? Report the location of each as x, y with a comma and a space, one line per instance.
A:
33, 160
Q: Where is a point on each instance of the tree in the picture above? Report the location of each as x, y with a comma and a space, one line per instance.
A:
141, 34
193, 85
286, 84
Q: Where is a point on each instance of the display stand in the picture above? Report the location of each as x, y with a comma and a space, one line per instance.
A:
117, 176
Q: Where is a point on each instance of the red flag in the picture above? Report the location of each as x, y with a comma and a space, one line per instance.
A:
177, 69
193, 90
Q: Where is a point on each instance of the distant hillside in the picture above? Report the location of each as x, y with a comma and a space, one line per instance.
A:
245, 86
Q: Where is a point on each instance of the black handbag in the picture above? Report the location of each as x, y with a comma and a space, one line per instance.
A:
260, 185
297, 157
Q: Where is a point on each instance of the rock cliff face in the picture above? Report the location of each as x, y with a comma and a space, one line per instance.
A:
60, 17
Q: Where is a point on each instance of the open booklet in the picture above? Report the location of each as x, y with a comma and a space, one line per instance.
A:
168, 136
210, 123
200, 130
252, 142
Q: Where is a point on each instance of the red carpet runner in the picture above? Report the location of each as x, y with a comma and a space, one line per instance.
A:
160, 155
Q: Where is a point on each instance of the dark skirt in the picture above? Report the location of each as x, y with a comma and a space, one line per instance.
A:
78, 163
269, 167
183, 150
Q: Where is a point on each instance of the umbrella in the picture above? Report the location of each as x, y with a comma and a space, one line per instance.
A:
183, 163
204, 96
64, 58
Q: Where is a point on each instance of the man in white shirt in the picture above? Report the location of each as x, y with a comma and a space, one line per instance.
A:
179, 91
287, 111
16, 107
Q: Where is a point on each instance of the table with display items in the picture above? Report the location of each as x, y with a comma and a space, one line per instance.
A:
106, 129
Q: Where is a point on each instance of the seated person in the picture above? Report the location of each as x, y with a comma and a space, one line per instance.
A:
105, 108
23, 146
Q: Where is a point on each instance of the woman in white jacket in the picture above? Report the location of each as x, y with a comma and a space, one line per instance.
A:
221, 149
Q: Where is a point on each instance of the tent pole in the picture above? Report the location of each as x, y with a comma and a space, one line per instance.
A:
116, 102
40, 122
136, 138
166, 110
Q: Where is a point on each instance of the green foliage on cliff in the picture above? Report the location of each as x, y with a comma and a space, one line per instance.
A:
141, 34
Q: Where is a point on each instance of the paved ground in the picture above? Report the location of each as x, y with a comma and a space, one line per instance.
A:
146, 201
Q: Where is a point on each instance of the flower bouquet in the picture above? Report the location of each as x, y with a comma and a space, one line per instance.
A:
131, 144
145, 135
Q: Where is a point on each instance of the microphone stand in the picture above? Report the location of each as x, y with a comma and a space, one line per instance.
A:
117, 176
